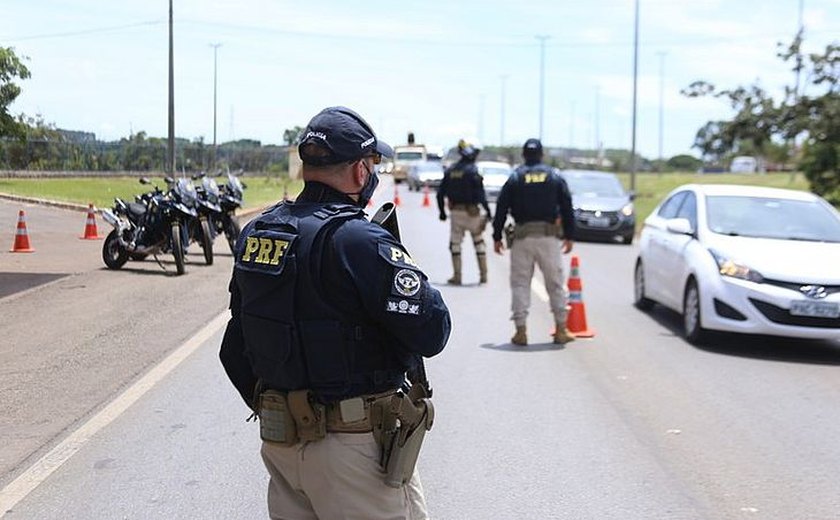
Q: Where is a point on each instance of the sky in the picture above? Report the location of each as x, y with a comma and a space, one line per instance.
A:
442, 69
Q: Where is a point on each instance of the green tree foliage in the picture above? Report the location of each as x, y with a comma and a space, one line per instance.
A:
11, 67
291, 135
761, 124
684, 163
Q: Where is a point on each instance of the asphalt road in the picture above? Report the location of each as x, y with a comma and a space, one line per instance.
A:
632, 424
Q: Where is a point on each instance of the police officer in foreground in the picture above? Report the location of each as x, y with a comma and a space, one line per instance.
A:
328, 314
463, 186
539, 200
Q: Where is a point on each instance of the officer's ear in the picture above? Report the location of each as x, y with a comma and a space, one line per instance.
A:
359, 173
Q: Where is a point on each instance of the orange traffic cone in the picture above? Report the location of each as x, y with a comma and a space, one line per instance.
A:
396, 196
90, 226
576, 321
426, 201
21, 236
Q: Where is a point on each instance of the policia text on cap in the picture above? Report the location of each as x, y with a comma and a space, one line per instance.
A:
328, 314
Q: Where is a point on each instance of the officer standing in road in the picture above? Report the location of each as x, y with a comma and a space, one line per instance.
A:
463, 186
328, 314
539, 200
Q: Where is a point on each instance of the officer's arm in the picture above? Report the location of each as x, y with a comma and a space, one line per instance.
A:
482, 196
564, 200
232, 352
441, 192
502, 208
393, 290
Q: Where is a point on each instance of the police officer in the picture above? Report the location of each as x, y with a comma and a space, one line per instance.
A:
539, 200
328, 313
463, 186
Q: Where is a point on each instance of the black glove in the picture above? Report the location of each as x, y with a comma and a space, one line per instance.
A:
442, 216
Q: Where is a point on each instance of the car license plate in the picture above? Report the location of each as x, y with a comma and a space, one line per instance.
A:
814, 309
599, 222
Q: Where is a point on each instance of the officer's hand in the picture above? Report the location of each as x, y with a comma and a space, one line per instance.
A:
567, 246
498, 247
442, 216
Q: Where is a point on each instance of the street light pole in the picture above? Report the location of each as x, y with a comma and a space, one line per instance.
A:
635, 82
542, 40
170, 162
502, 112
661, 55
215, 76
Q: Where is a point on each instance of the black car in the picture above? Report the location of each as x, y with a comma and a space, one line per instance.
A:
603, 209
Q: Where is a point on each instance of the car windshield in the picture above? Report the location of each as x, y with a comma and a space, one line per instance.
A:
429, 167
408, 156
763, 217
596, 186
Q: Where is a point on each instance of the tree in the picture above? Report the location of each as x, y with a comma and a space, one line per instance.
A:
291, 135
11, 67
761, 124
684, 163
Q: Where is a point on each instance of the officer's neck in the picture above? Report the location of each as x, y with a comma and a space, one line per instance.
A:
314, 191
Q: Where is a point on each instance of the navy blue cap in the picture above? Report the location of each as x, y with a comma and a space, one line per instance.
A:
343, 134
532, 146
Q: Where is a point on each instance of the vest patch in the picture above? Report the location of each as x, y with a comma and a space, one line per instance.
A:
264, 251
407, 282
400, 306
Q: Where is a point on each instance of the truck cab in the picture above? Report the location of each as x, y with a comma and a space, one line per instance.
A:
405, 156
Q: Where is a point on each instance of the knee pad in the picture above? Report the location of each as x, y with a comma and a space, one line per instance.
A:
455, 248
480, 247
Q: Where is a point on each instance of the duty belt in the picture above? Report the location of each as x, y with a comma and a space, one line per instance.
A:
538, 229
463, 206
353, 415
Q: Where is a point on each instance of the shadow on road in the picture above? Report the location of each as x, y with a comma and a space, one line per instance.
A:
533, 347
769, 348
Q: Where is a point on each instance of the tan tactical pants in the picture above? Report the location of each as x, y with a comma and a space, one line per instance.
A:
460, 223
547, 253
336, 478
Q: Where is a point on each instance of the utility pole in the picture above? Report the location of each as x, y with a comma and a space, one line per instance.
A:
542, 40
481, 120
215, 76
598, 124
635, 82
661, 55
503, 77
170, 162
800, 33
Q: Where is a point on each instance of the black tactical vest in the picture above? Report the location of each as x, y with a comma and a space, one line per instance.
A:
294, 339
536, 197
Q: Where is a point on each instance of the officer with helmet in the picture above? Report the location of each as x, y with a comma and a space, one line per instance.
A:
539, 201
463, 186
329, 312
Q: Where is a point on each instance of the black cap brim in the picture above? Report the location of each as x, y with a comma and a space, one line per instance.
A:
384, 148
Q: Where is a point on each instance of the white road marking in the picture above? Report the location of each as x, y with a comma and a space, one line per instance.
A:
19, 488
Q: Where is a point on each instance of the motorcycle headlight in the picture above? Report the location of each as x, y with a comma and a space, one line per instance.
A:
728, 266
627, 210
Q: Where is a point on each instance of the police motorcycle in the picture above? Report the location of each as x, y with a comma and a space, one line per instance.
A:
230, 199
156, 223
201, 229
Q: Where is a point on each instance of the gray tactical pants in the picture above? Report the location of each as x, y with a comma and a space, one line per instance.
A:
460, 223
547, 253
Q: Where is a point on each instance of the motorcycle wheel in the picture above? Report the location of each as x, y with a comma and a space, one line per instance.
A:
177, 248
113, 254
207, 242
232, 232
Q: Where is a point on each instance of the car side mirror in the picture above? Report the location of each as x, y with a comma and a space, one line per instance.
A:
679, 226
144, 180
631, 195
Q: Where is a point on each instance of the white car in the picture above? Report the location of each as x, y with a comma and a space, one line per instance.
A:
743, 259
495, 174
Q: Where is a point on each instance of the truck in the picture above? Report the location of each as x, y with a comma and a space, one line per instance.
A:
406, 155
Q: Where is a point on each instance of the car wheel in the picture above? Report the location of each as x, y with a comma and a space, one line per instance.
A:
694, 332
639, 300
